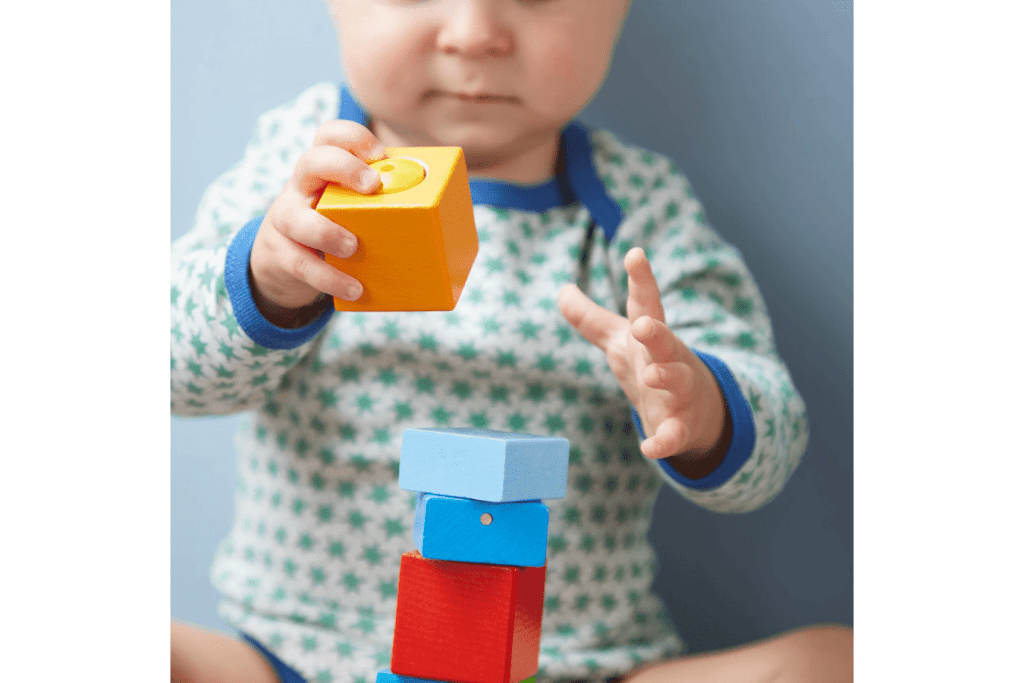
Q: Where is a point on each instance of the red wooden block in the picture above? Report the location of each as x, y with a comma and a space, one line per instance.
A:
466, 622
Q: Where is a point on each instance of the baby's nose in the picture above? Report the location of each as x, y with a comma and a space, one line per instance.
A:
475, 29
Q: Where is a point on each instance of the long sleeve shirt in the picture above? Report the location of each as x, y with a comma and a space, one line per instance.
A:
310, 565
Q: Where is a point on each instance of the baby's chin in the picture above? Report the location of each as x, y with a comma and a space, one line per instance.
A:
477, 142
487, 144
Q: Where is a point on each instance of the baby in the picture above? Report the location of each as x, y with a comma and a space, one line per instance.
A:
601, 308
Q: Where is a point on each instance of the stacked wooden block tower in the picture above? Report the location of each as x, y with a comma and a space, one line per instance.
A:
470, 596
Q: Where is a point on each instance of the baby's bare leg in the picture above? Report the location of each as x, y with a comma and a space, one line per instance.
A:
817, 654
200, 656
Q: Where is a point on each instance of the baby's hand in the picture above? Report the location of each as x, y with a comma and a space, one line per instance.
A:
680, 405
286, 269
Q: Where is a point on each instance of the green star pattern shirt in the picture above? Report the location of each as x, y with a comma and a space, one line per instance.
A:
310, 566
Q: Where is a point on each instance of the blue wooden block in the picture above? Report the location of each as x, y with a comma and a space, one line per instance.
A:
499, 467
464, 530
385, 676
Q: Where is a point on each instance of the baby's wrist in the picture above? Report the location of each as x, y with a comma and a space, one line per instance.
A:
700, 462
286, 317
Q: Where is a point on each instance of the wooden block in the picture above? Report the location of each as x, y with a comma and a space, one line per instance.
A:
386, 676
465, 530
466, 622
499, 467
417, 236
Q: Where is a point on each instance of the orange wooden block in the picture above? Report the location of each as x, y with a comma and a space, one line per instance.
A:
417, 237
467, 622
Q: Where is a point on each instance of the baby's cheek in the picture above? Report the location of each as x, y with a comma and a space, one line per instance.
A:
385, 84
382, 55
570, 79
559, 85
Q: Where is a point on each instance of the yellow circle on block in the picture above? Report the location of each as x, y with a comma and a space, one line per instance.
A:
398, 174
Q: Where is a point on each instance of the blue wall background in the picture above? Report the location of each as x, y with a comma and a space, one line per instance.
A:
754, 100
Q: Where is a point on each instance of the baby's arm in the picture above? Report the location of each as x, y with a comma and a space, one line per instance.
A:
286, 271
717, 310
677, 398
713, 313
224, 349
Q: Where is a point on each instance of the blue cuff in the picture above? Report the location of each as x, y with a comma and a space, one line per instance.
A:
236, 281
742, 444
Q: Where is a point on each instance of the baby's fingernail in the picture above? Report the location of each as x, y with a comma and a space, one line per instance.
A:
376, 152
354, 291
348, 246
369, 179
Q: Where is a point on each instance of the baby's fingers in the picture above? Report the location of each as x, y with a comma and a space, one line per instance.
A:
596, 324
302, 265
311, 229
669, 440
326, 164
644, 296
350, 136
677, 378
340, 153
657, 340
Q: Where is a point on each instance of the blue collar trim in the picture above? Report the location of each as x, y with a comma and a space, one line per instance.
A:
350, 110
584, 181
576, 179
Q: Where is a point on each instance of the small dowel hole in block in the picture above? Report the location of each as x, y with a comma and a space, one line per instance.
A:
486, 518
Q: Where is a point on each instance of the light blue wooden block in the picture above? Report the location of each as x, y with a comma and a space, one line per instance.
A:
499, 467
465, 530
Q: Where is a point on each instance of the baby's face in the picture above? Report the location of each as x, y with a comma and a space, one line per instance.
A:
495, 77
